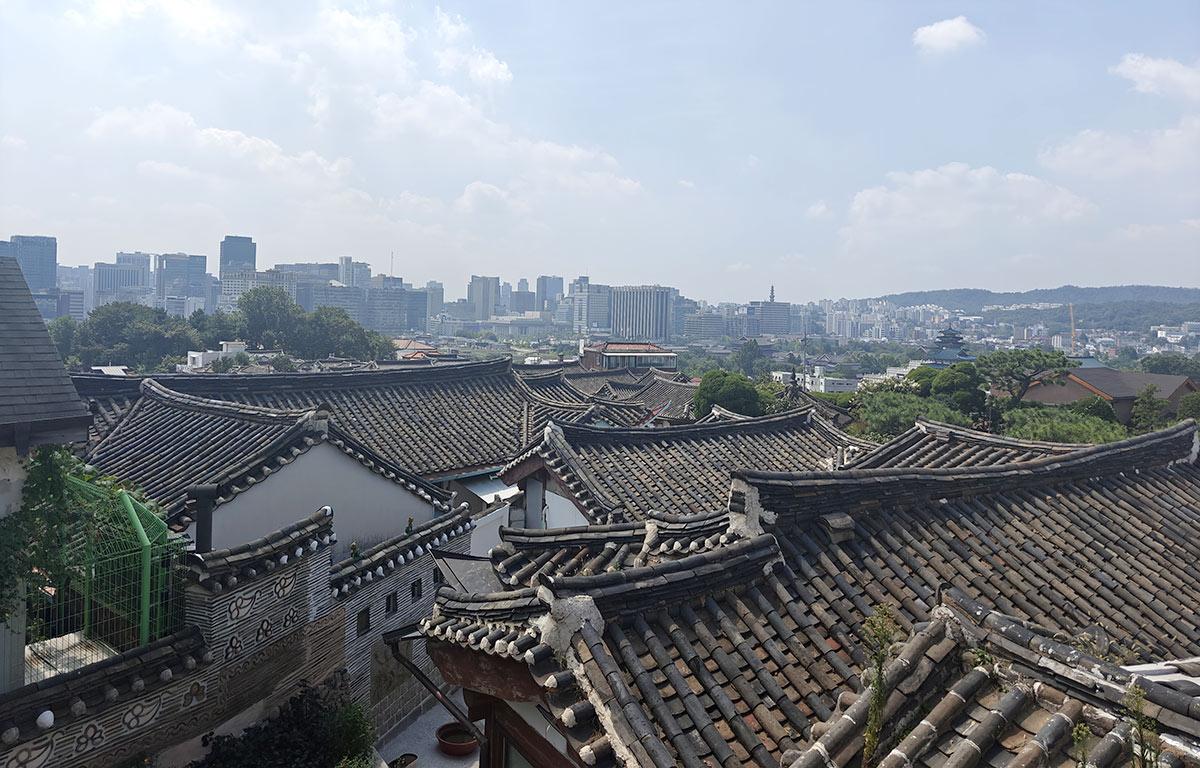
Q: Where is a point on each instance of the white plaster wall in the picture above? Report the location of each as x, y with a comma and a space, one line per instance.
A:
562, 513
367, 508
486, 533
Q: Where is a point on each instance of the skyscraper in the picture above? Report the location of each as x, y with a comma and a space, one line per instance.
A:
437, 296
180, 274
238, 254
483, 294
38, 258
548, 286
642, 312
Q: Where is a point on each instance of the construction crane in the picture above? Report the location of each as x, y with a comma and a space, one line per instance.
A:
1071, 307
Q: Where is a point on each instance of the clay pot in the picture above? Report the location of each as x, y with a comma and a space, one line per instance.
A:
455, 740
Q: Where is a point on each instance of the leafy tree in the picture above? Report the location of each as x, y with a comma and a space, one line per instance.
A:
728, 389
1171, 363
1095, 406
959, 386
218, 327
1189, 406
889, 413
1149, 411
746, 356
922, 376
1061, 425
282, 364
270, 314
222, 365
1013, 371
62, 333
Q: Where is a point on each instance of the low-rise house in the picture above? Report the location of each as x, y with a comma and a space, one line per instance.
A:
1119, 388
609, 355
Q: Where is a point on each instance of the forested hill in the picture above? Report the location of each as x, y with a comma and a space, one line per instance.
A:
973, 300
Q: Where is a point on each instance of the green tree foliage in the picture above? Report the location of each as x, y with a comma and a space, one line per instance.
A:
728, 389
316, 729
282, 364
1061, 425
1189, 406
922, 377
62, 333
1172, 363
747, 356
1013, 371
129, 334
270, 316
1149, 411
959, 386
887, 414
329, 331
1095, 406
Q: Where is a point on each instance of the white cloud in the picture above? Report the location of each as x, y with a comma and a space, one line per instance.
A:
947, 36
1106, 155
1141, 231
738, 266
1191, 223
196, 20
751, 162
919, 226
818, 210
686, 184
457, 55
13, 143
1165, 77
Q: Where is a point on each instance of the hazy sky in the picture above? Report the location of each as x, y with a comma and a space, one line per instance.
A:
832, 149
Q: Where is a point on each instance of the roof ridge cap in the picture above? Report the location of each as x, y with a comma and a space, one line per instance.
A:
156, 391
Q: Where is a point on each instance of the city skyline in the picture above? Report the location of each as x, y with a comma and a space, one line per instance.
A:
930, 146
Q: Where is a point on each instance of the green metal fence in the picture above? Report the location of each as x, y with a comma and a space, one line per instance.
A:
122, 587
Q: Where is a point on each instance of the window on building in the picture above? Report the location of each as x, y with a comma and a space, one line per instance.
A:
438, 578
391, 604
416, 590
364, 621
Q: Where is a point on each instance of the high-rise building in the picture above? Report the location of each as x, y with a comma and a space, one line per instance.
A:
522, 301
522, 284
642, 312
125, 280
771, 317
139, 261
236, 284
353, 274
321, 271
483, 294
549, 289
591, 306
238, 254
437, 297
310, 296
38, 258
180, 274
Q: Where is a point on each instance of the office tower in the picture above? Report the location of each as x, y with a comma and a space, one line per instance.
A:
353, 274
483, 294
772, 317
180, 274
522, 284
320, 271
591, 306
237, 284
642, 312
437, 297
522, 300
238, 254
38, 258
549, 288
504, 303
138, 261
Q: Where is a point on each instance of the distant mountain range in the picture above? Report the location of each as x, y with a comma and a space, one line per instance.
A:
973, 300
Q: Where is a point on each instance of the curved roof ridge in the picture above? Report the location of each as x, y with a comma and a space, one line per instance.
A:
928, 425
640, 434
1131, 449
157, 392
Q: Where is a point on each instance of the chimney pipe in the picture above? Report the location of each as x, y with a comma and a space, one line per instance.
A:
205, 499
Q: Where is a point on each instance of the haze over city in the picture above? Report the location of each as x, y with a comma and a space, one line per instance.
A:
837, 150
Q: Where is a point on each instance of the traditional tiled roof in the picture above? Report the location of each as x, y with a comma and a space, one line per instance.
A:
223, 569
681, 469
36, 395
1105, 536
747, 648
435, 420
383, 558
933, 444
169, 442
525, 554
39, 708
997, 691
667, 398
720, 413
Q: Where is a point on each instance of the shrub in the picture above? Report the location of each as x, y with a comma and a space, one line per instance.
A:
1189, 406
1095, 406
1060, 425
889, 413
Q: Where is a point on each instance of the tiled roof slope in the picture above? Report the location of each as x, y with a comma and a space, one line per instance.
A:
1107, 536
433, 420
169, 442
995, 691
680, 469
723, 645
34, 387
719, 413
667, 398
933, 444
